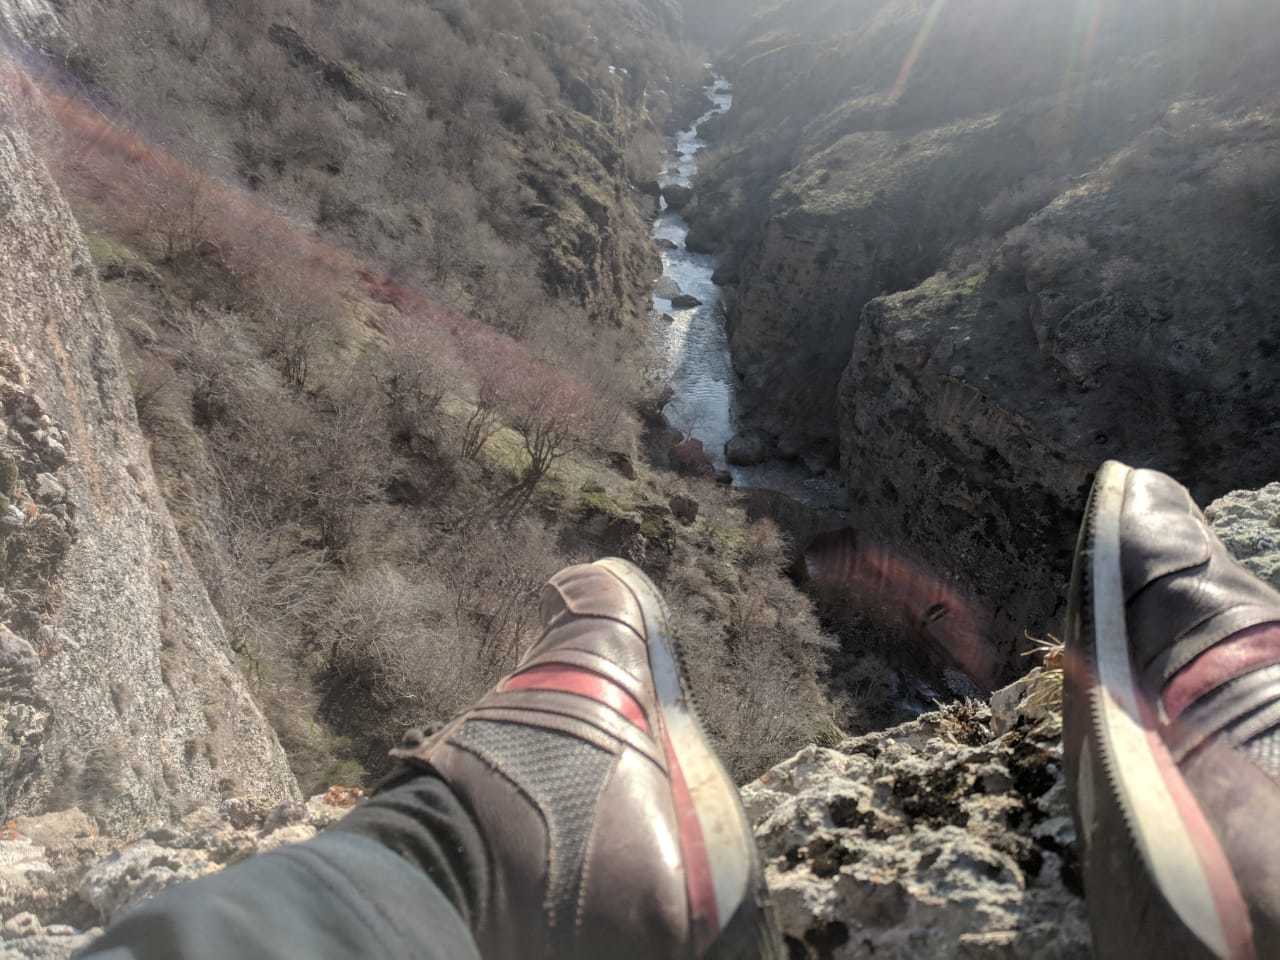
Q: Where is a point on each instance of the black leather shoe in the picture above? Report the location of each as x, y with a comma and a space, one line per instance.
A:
1172, 730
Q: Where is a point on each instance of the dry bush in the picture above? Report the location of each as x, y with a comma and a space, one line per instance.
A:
495, 576
754, 652
1015, 204
348, 460
421, 367
1046, 257
391, 635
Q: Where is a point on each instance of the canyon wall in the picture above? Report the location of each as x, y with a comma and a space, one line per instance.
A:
979, 248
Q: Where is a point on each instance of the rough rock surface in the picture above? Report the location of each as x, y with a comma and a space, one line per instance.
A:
29, 21
134, 709
938, 839
60, 881
977, 405
1248, 521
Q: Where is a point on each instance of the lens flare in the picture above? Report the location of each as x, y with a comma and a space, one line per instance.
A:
887, 585
917, 47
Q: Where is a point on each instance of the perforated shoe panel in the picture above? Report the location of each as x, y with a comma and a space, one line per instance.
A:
1264, 750
563, 777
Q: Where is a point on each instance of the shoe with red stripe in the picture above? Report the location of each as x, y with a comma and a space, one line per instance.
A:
613, 829
1172, 730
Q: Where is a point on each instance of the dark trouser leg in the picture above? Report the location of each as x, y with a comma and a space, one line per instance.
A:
401, 877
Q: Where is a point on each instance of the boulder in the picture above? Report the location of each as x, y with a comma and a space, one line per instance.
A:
689, 458
49, 490
935, 840
684, 509
17, 654
747, 449
663, 243
139, 872
668, 318
665, 288
57, 829
685, 301
677, 196
1248, 521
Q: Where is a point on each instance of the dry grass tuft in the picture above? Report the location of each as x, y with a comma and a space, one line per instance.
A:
1046, 690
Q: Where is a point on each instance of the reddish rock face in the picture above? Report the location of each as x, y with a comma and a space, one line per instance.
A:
690, 458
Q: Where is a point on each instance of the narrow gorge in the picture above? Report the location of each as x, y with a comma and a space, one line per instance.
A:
330, 329
971, 273
693, 344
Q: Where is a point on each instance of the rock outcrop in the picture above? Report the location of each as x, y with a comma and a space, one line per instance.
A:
132, 708
986, 267
1248, 521
948, 837
978, 404
60, 882
29, 21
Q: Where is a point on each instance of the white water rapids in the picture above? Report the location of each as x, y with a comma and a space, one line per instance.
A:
695, 347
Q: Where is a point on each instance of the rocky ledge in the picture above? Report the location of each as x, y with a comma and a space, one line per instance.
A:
60, 882
950, 836
947, 837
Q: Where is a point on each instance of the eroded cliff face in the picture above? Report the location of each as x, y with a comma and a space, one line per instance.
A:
117, 691
981, 247
1132, 318
871, 140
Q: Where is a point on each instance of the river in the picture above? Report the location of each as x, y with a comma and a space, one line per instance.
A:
694, 346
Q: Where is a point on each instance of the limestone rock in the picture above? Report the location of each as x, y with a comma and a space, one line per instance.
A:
31, 21
936, 839
677, 196
57, 829
49, 490
138, 664
61, 945
139, 872
1248, 521
17, 654
665, 288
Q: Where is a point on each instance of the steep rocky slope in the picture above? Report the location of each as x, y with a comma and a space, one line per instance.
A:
1074, 219
950, 836
117, 693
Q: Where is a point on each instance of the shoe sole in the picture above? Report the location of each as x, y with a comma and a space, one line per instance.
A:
748, 929
1158, 881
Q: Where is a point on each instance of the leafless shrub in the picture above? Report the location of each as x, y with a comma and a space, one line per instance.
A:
754, 652
393, 638
495, 575
1045, 257
1014, 204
